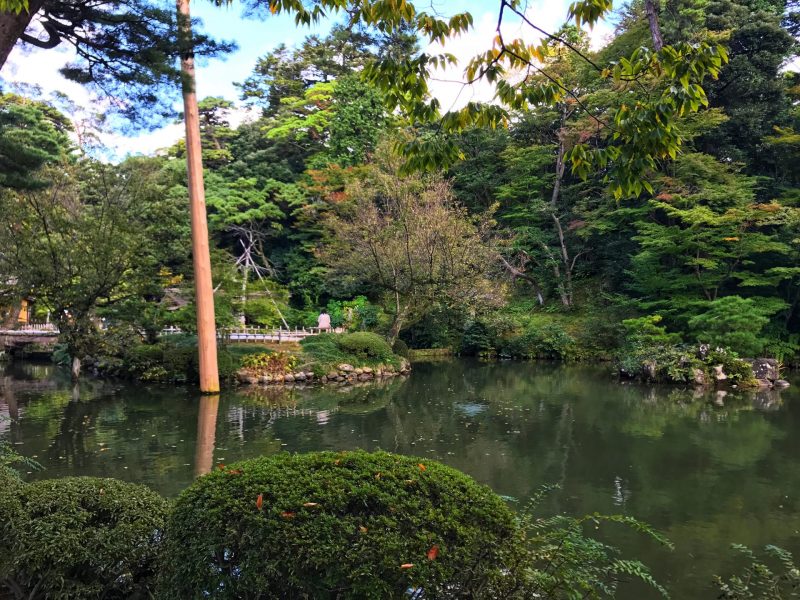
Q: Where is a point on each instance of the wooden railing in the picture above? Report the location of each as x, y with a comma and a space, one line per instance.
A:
32, 328
261, 334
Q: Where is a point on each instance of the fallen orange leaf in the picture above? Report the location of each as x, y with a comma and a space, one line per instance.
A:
221, 466
288, 515
433, 552
310, 504
406, 565
260, 501
422, 467
363, 529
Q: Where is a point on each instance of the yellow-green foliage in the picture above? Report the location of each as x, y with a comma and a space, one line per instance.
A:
270, 363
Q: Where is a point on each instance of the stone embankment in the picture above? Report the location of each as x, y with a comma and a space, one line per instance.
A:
343, 374
766, 372
766, 375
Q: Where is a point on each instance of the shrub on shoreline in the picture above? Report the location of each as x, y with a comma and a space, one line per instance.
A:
328, 350
339, 525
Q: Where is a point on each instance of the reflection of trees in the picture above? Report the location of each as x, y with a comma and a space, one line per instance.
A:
694, 464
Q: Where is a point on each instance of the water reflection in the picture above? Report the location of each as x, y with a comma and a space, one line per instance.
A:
707, 468
206, 434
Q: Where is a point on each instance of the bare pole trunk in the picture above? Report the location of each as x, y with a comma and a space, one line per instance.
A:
652, 17
201, 258
12, 26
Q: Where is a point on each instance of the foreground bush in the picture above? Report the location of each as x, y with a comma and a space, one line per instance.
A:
11, 515
84, 537
339, 525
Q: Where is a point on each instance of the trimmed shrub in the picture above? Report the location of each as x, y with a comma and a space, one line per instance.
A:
360, 349
365, 345
85, 537
400, 348
339, 525
11, 517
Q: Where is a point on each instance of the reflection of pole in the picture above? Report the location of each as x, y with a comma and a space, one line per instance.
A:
206, 434
10, 398
201, 258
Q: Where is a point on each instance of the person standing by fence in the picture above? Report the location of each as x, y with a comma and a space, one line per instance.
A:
324, 321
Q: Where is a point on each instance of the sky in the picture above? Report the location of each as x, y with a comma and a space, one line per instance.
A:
257, 37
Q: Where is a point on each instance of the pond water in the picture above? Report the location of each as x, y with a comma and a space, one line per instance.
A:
704, 469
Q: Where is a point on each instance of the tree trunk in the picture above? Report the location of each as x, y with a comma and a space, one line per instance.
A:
652, 17
13, 317
242, 318
201, 256
399, 317
565, 286
76, 368
12, 26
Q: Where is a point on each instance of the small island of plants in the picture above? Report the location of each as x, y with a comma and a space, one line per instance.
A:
342, 358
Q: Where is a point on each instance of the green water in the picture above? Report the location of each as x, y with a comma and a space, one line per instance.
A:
706, 470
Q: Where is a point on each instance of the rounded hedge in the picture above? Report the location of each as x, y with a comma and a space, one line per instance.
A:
11, 516
85, 537
339, 525
365, 344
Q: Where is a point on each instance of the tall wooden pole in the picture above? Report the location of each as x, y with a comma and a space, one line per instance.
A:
204, 291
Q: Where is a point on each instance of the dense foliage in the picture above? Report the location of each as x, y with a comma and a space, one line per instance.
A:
339, 525
82, 537
628, 181
773, 575
328, 351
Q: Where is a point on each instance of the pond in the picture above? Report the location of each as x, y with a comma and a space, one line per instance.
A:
705, 469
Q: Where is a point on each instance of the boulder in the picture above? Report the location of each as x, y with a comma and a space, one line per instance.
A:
781, 384
346, 368
719, 374
367, 370
698, 376
765, 368
763, 384
309, 375
649, 368
333, 375
359, 371
364, 377
299, 376
288, 378
265, 379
